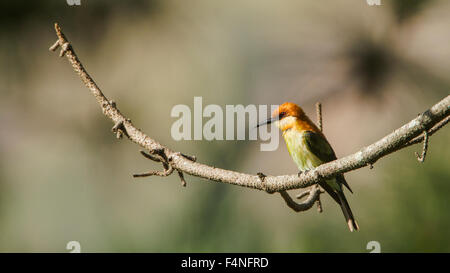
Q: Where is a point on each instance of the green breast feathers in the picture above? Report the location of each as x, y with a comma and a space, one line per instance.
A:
299, 149
310, 150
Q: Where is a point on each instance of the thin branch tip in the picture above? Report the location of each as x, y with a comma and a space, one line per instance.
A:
319, 115
167, 171
149, 156
421, 158
181, 176
54, 46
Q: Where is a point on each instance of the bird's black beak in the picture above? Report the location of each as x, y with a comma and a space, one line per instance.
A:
268, 121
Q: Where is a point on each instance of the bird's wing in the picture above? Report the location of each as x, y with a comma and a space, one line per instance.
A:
320, 147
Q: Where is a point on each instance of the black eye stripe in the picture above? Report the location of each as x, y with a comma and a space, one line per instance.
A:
282, 114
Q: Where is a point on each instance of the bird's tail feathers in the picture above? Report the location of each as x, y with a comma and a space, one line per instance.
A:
351, 222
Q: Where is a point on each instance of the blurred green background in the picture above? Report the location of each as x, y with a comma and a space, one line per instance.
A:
65, 177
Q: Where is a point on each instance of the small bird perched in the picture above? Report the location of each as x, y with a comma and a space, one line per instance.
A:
309, 148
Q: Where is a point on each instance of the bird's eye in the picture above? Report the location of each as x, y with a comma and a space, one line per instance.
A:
281, 115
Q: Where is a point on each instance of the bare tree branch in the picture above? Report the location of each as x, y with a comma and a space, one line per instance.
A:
313, 195
404, 136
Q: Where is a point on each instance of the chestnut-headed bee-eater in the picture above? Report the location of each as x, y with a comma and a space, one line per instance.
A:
309, 148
